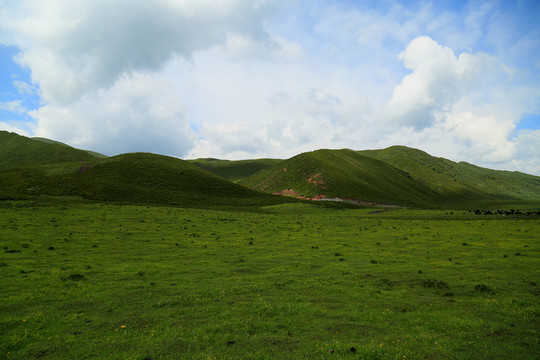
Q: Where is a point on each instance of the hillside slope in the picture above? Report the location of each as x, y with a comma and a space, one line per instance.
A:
234, 169
397, 175
458, 180
132, 178
18, 151
342, 173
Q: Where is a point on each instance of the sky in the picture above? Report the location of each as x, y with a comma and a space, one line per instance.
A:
240, 79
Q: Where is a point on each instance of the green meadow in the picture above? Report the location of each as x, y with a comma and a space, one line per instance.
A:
292, 281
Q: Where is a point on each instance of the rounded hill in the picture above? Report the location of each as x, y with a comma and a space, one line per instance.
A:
146, 178
342, 173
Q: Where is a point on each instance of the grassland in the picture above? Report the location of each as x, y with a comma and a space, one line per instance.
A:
290, 281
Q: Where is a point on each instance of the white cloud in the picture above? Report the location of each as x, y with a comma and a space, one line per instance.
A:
78, 46
527, 157
244, 79
438, 80
486, 139
24, 88
15, 106
138, 113
14, 129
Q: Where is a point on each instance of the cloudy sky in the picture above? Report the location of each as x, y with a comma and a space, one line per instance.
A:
243, 79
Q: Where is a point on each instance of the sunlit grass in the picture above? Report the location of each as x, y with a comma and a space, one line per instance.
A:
284, 282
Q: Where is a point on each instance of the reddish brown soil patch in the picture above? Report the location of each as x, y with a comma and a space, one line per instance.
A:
287, 192
316, 182
291, 192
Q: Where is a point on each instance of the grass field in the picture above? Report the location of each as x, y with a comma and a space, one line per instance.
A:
291, 281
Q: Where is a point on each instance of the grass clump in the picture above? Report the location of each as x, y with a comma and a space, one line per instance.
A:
484, 289
75, 277
435, 284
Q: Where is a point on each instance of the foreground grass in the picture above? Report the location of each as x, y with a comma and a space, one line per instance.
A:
83, 281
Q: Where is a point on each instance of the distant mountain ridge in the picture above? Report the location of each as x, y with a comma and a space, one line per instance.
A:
397, 175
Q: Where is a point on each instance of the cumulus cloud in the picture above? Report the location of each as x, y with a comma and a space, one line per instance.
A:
138, 113
289, 123
527, 157
9, 127
487, 139
438, 79
76, 46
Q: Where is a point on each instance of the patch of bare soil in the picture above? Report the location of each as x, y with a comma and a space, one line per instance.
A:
322, 197
291, 192
366, 203
287, 192
313, 181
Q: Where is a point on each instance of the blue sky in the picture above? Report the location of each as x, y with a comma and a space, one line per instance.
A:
13, 98
273, 78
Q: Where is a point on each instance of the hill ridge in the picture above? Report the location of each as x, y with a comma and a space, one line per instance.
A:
397, 175
408, 176
18, 151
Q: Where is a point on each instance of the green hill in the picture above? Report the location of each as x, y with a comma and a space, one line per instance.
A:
18, 151
132, 178
459, 180
397, 175
49, 141
345, 174
234, 170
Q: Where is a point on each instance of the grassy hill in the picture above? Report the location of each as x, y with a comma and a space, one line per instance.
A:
18, 151
234, 170
397, 175
37, 166
142, 177
133, 178
459, 180
342, 173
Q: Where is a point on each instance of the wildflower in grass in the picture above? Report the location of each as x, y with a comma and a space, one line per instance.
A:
122, 326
